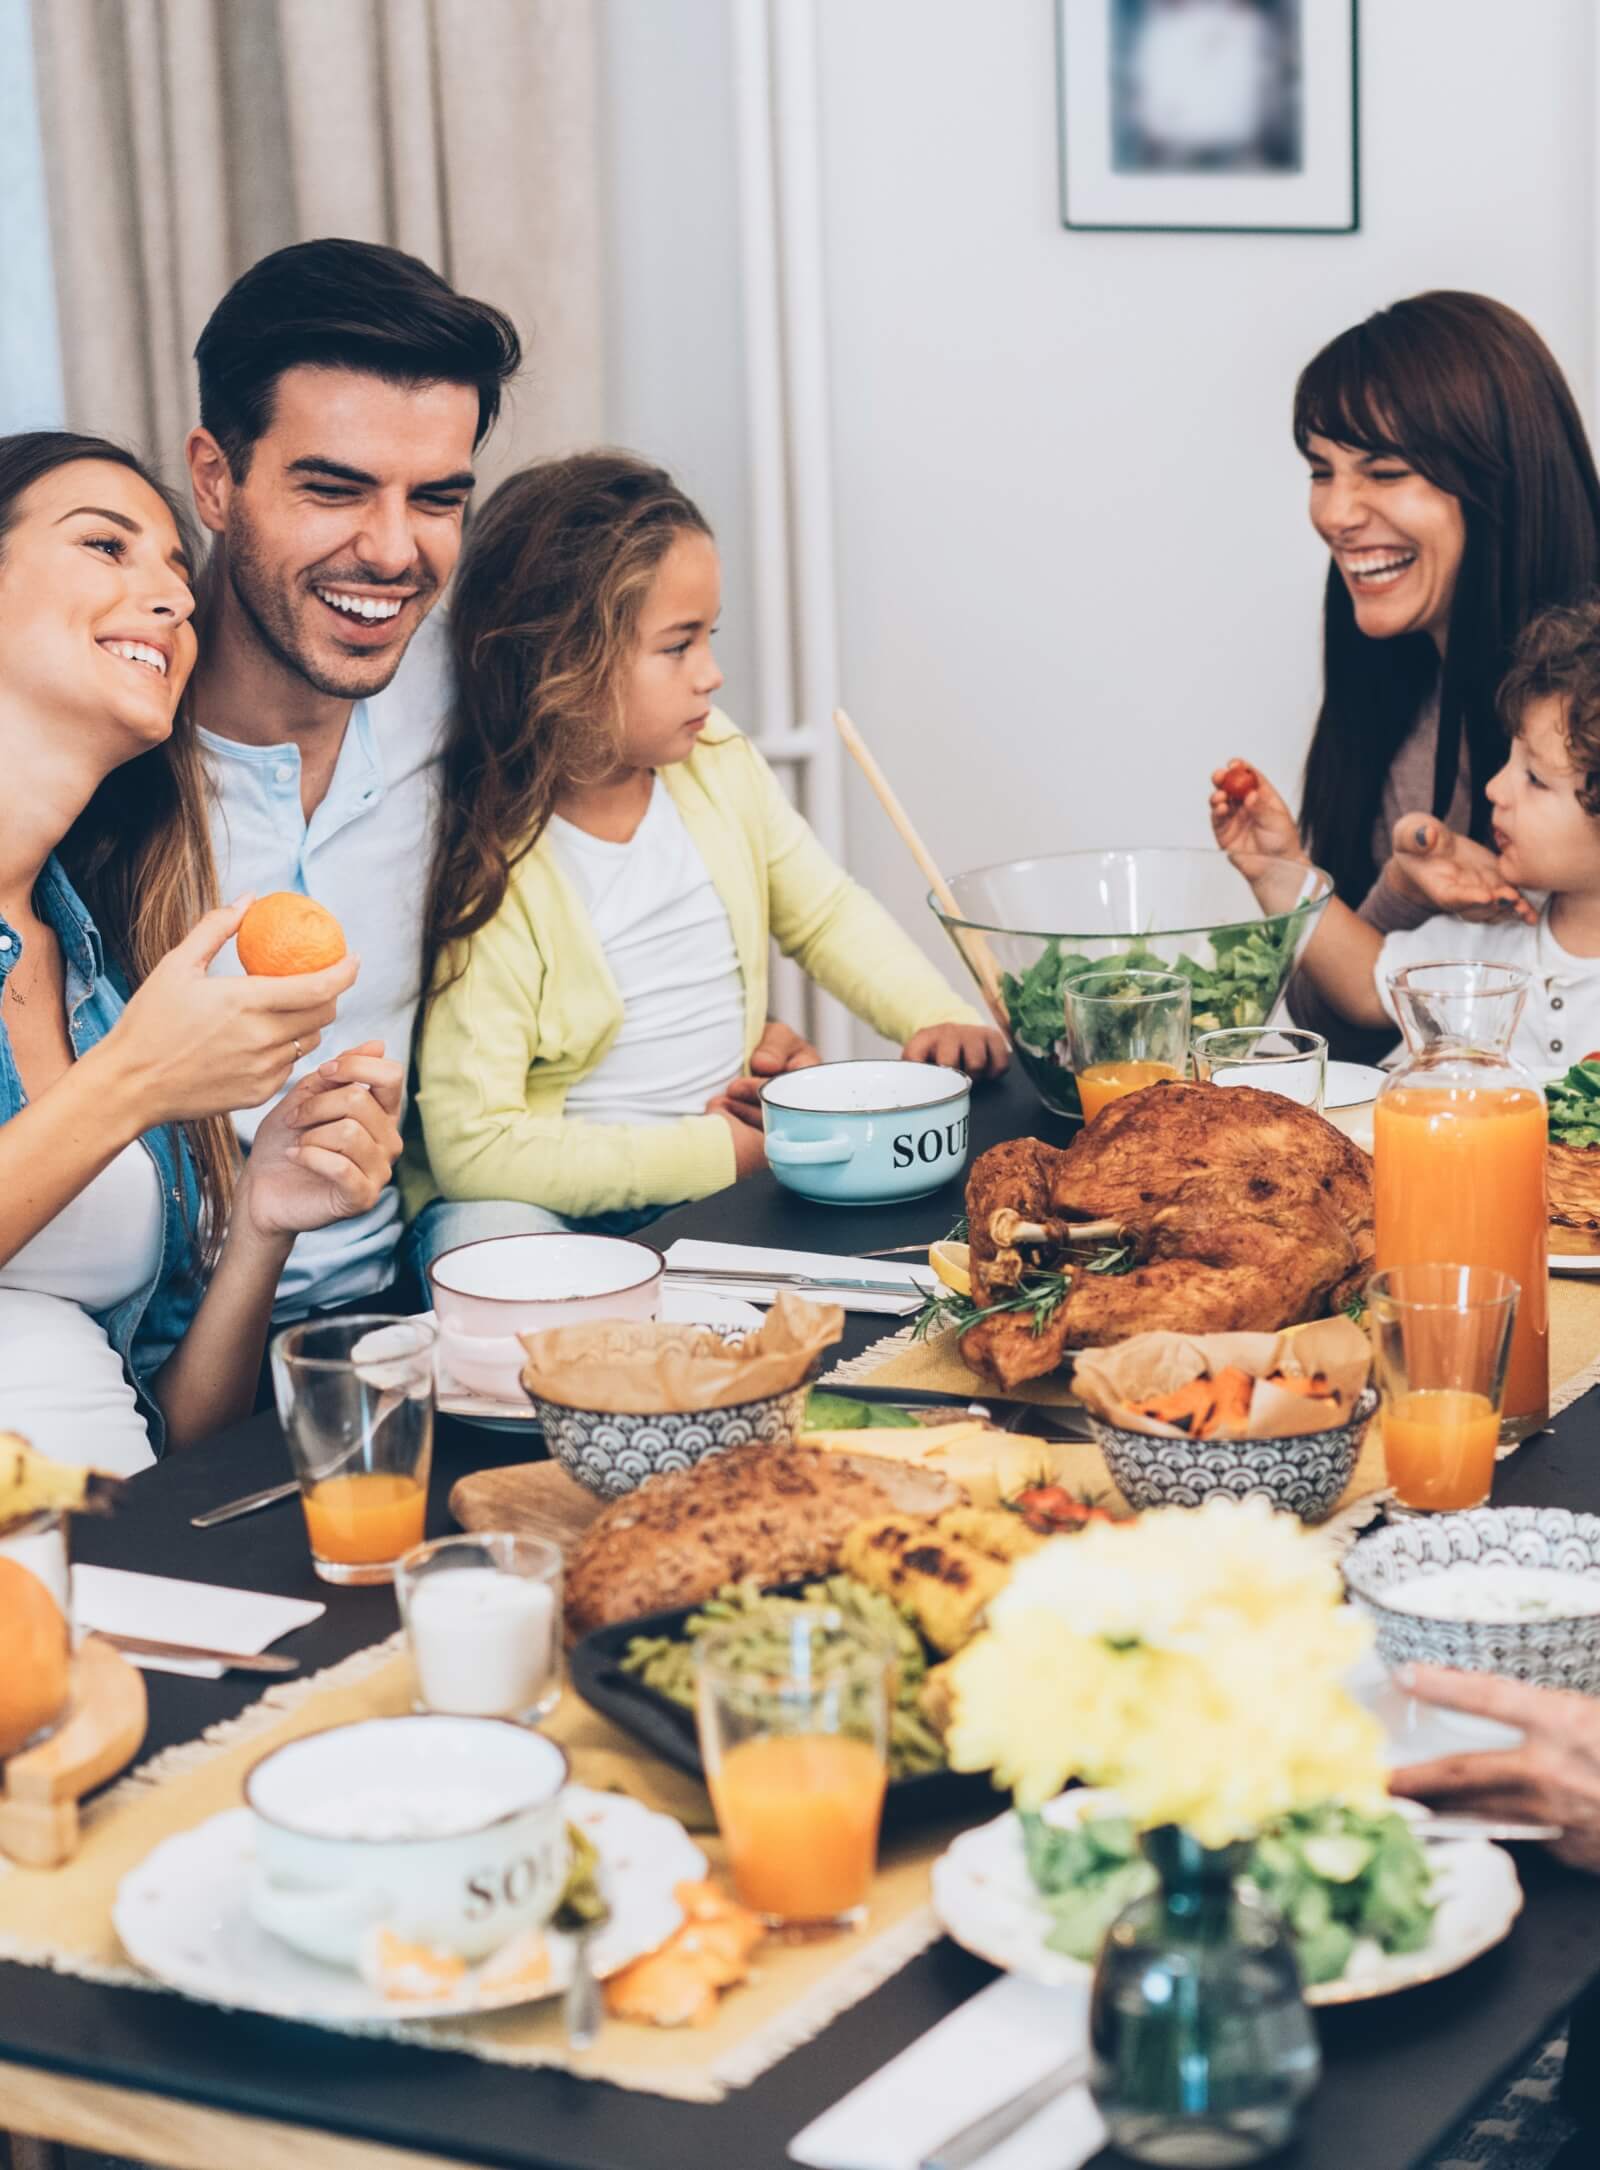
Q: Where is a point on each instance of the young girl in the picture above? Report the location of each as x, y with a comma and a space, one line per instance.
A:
614, 860
1545, 815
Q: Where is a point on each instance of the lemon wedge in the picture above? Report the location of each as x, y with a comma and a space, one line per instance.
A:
952, 1262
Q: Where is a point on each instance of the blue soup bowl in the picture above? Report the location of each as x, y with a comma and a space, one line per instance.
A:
866, 1133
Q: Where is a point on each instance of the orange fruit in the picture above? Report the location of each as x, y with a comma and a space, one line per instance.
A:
35, 1650
287, 932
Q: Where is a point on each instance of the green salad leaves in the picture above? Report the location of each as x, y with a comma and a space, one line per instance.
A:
1239, 987
1574, 1102
1335, 1875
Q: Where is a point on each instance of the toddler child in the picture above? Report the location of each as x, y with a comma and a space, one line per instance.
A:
1533, 901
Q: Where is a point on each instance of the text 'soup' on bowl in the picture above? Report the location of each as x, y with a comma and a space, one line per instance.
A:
1043, 920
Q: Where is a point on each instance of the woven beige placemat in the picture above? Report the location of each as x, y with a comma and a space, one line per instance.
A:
61, 1918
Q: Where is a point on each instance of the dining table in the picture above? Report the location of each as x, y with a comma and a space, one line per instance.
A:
182, 2083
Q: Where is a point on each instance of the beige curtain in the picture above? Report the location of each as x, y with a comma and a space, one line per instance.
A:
185, 138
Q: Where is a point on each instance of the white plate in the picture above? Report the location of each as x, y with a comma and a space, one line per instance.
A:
680, 1305
181, 1916
1574, 1262
1352, 1085
986, 1900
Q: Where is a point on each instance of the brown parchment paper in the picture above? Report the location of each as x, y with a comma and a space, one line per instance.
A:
642, 1367
1112, 1381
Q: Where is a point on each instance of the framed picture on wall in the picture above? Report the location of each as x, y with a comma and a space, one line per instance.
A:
1208, 116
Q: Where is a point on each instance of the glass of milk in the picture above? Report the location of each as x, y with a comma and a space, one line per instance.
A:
482, 1614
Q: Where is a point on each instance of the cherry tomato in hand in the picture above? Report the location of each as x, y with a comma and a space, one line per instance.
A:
1237, 781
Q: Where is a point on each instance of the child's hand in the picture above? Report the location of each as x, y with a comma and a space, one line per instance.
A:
977, 1049
780, 1048
1250, 822
749, 1139
1452, 873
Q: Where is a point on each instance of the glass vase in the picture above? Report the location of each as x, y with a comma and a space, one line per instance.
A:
1202, 2050
1459, 1155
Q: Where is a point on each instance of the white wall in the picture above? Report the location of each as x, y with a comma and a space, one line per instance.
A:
1075, 570
674, 361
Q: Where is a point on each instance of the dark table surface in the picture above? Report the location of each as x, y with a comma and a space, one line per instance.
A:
1399, 2071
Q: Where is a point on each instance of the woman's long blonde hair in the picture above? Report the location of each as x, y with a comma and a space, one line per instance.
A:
544, 617
139, 854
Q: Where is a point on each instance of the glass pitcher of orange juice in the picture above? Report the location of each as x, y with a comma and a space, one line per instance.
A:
1459, 1155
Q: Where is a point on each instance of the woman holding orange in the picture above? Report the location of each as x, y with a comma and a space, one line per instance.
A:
137, 1261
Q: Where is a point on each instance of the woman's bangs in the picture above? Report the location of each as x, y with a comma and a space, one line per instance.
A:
1341, 396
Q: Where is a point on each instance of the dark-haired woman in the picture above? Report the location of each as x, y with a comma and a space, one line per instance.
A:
137, 1267
1455, 489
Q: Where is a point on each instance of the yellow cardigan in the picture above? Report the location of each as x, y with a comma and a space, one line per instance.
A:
536, 1007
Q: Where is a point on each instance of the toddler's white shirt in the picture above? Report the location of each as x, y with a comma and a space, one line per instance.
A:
1560, 1022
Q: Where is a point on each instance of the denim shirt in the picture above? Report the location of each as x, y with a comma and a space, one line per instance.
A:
145, 1328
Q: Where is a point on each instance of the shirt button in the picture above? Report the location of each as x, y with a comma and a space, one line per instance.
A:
5, 941
1555, 1002
284, 772
1555, 1047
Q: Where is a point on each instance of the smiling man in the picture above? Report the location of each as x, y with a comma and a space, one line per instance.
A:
344, 389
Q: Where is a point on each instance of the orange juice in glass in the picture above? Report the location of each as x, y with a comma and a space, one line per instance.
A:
794, 1734
1459, 1151
1125, 1030
355, 1399
1441, 1336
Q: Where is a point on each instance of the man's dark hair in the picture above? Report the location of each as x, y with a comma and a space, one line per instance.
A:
344, 305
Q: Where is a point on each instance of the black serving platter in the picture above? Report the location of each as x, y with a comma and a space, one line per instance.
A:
595, 1665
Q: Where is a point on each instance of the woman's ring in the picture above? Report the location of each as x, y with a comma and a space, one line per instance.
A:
298, 1051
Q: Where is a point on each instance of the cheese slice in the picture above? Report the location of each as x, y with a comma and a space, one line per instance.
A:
989, 1466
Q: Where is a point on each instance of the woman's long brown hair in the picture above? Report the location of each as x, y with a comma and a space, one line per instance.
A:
543, 621
1465, 391
139, 854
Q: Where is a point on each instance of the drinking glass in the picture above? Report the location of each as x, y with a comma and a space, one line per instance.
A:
482, 1614
1125, 1030
1274, 1058
1441, 1335
355, 1399
794, 1735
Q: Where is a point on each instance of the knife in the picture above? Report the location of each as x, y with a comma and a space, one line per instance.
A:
144, 1646
1062, 1422
959, 2149
754, 1277
250, 1504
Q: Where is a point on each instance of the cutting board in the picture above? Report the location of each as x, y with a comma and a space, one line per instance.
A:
536, 1499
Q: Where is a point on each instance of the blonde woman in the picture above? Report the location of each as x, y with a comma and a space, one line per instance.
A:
137, 1262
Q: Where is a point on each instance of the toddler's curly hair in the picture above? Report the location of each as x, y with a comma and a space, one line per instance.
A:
1558, 657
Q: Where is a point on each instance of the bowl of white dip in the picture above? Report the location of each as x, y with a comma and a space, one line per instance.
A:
1510, 1590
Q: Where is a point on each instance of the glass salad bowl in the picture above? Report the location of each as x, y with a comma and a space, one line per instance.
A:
1036, 922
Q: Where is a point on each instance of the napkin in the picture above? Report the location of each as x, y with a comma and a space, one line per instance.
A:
988, 2050
167, 1611
687, 1255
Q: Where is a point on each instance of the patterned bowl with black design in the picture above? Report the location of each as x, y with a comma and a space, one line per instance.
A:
1547, 1653
1304, 1476
612, 1454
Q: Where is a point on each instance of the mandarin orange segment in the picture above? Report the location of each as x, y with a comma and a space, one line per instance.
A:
287, 933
